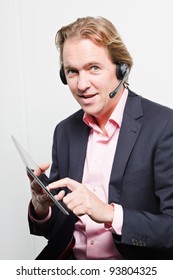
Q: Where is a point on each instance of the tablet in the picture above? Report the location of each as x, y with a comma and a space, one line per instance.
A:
42, 180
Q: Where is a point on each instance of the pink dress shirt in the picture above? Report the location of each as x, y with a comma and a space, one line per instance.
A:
93, 240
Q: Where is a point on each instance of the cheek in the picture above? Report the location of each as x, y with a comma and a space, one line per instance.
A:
104, 96
72, 88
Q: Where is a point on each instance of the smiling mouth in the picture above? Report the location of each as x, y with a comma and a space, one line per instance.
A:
87, 96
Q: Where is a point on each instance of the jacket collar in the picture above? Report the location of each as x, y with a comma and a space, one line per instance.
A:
128, 136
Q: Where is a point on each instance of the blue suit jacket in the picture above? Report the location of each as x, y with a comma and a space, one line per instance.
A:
141, 180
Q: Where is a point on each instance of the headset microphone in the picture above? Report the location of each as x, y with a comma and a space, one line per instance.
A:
124, 78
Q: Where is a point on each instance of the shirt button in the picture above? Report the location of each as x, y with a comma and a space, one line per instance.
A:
92, 242
94, 189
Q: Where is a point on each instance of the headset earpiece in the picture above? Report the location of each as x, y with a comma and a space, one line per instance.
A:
62, 75
121, 69
122, 72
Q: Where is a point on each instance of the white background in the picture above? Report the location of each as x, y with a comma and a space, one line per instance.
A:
33, 99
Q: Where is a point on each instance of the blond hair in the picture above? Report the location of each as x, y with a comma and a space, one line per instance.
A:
101, 31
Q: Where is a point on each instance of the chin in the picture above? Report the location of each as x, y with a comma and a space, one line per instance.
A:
91, 112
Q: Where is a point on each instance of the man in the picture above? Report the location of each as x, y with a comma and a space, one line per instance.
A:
112, 160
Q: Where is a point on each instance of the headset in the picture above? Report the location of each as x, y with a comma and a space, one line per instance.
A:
122, 71
62, 75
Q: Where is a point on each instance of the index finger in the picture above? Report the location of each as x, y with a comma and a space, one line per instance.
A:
66, 182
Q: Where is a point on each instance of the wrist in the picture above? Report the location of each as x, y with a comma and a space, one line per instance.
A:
110, 216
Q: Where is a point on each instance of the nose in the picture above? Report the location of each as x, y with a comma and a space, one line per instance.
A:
83, 82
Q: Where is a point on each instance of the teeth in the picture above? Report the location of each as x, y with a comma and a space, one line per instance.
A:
88, 96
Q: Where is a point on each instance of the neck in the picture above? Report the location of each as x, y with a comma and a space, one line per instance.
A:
102, 120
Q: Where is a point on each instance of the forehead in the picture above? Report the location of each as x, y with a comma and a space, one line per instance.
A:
82, 51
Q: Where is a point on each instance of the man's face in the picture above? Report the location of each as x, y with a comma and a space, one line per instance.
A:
91, 76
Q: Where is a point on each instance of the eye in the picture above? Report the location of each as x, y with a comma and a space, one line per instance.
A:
71, 71
95, 68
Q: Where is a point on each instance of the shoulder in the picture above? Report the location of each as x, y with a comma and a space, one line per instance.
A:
75, 117
72, 123
151, 109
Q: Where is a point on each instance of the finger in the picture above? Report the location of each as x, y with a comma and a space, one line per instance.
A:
41, 168
73, 204
74, 195
79, 210
66, 182
60, 195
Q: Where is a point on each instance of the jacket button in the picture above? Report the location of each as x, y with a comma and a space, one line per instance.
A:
133, 242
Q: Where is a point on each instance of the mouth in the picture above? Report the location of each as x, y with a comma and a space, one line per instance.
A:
87, 96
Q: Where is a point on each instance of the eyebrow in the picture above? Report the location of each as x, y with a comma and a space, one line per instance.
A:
68, 66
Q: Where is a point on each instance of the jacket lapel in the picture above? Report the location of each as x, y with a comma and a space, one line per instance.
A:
78, 146
128, 135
